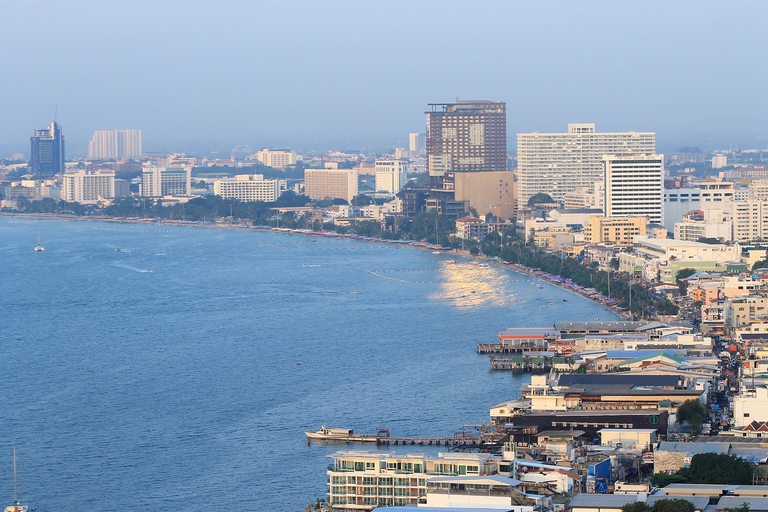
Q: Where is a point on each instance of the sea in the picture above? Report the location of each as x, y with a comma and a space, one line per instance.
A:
172, 368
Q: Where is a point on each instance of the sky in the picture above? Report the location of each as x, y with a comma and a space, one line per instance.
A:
321, 74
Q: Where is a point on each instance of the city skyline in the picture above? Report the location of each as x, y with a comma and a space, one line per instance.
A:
328, 93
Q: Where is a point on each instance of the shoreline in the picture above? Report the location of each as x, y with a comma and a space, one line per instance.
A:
329, 234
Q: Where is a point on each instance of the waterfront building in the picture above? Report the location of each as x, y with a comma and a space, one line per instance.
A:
115, 145
487, 192
87, 187
618, 230
469, 228
466, 136
558, 163
277, 158
634, 185
391, 175
47, 154
249, 188
330, 184
158, 181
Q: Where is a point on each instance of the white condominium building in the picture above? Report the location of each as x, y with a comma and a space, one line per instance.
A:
634, 186
87, 187
278, 158
330, 184
115, 145
391, 175
558, 163
157, 181
248, 188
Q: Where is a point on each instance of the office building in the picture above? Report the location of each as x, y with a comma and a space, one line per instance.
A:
248, 188
466, 136
86, 187
391, 175
558, 163
278, 158
634, 186
115, 145
158, 181
330, 184
47, 155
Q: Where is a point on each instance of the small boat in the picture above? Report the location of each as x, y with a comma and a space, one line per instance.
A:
38, 247
16, 506
330, 433
451, 262
435, 252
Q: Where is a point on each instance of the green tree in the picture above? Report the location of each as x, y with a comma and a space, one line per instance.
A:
744, 507
683, 273
717, 468
474, 251
541, 197
693, 413
664, 479
675, 505
638, 506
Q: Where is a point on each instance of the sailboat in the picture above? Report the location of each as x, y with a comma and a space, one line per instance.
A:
39, 247
16, 506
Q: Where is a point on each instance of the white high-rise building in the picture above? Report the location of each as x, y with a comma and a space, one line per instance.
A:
417, 143
719, 161
86, 187
558, 163
115, 145
157, 181
391, 175
278, 158
249, 188
634, 186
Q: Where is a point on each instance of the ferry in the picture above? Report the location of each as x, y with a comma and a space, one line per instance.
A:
331, 433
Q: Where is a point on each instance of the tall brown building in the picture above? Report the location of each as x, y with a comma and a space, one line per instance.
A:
466, 136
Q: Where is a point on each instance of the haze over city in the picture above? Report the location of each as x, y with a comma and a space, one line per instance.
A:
199, 76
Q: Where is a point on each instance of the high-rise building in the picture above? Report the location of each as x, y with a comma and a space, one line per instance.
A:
330, 184
634, 186
87, 187
466, 136
47, 156
391, 175
115, 145
558, 163
417, 143
157, 181
487, 192
719, 161
249, 188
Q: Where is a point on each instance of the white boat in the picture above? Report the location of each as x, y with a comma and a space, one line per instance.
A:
330, 433
16, 506
39, 247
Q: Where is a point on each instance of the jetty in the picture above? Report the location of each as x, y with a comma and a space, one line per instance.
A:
460, 439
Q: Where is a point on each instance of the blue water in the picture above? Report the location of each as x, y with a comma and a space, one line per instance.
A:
179, 389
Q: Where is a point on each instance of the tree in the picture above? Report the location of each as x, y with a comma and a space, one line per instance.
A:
683, 273
744, 507
474, 251
675, 505
711, 241
664, 479
717, 468
693, 413
541, 197
638, 506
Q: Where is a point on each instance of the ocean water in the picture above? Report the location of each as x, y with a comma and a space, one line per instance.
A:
165, 375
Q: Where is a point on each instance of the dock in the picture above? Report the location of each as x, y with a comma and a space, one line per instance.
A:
460, 439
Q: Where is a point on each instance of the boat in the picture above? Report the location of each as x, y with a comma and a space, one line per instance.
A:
38, 247
16, 506
331, 433
451, 262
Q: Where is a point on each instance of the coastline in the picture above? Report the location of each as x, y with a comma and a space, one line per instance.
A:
594, 297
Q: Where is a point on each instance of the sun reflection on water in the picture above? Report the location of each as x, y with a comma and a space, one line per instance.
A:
470, 285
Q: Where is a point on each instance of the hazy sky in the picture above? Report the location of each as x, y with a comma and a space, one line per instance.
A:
360, 73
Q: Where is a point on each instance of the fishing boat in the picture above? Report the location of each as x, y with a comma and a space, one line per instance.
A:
39, 247
16, 506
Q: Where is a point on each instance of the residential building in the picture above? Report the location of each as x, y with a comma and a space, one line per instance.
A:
249, 188
86, 187
487, 192
330, 184
472, 228
619, 230
466, 136
158, 181
115, 145
558, 163
708, 223
47, 155
391, 175
634, 186
719, 161
751, 404
278, 158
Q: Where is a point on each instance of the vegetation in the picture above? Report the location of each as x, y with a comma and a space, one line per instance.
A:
693, 413
667, 505
541, 197
683, 273
709, 468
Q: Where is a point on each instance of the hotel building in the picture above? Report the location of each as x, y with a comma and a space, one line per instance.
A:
634, 186
278, 158
159, 181
330, 184
87, 187
249, 188
391, 175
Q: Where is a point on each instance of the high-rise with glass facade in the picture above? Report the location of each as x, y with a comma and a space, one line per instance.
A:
47, 154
